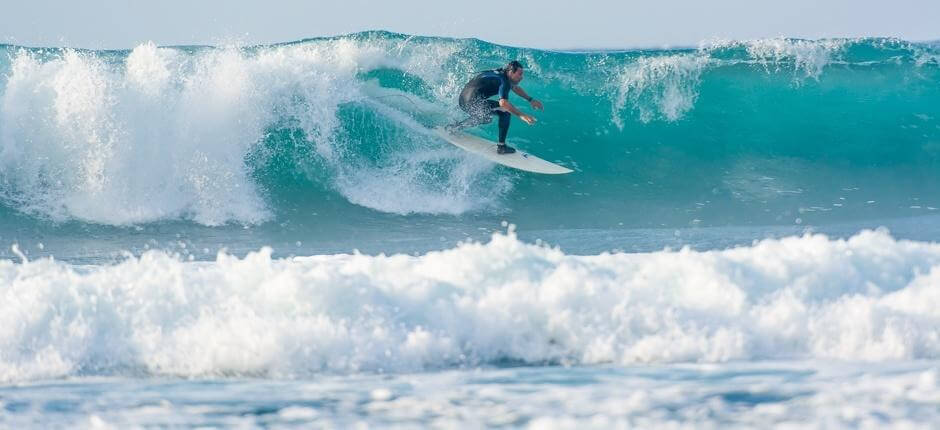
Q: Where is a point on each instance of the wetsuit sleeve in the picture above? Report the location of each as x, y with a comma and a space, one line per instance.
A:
504, 87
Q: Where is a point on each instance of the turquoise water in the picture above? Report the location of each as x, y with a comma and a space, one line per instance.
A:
271, 236
768, 132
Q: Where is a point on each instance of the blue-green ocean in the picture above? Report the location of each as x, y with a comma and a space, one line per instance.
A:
273, 236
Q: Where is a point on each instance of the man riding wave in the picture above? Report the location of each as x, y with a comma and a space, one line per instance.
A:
475, 100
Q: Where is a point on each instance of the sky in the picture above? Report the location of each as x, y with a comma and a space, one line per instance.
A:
547, 24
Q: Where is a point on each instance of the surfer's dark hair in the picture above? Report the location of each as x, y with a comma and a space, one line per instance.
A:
511, 67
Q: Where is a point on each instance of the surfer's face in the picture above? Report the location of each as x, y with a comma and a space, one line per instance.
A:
516, 76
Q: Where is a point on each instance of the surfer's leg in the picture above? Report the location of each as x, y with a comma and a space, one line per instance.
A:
493, 108
504, 118
479, 111
471, 121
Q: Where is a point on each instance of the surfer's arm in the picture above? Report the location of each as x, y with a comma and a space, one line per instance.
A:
508, 107
535, 103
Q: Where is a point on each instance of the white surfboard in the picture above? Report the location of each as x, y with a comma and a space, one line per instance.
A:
518, 160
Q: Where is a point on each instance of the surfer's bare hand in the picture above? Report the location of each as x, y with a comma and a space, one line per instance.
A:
529, 119
536, 104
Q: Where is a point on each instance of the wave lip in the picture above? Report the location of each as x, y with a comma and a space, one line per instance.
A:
659, 87
870, 298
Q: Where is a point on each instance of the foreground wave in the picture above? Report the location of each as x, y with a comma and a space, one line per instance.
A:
869, 297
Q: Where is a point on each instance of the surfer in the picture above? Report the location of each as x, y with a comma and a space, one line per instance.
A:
475, 101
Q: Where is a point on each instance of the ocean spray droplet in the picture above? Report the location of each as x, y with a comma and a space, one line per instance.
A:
381, 394
16, 250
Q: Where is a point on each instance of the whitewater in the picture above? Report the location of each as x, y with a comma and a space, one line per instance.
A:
273, 237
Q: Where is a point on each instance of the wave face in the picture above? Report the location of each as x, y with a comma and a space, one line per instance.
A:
774, 131
869, 298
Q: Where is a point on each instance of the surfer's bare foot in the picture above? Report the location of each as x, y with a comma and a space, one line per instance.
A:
503, 148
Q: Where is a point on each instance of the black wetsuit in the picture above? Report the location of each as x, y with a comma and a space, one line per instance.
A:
474, 99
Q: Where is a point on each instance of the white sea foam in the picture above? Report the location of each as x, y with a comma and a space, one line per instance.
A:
81, 140
658, 87
424, 177
927, 55
667, 87
869, 297
806, 56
